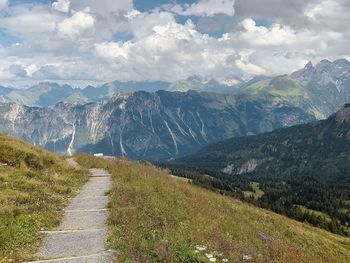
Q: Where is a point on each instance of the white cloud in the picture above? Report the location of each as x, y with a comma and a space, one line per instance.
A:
103, 7
206, 8
171, 52
3, 4
98, 41
78, 25
61, 5
26, 22
275, 35
280, 11
323, 10
112, 50
329, 15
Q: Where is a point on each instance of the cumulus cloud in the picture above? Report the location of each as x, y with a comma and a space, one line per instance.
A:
27, 21
61, 5
329, 15
104, 40
206, 8
171, 52
281, 11
3, 4
103, 7
275, 35
78, 25
323, 10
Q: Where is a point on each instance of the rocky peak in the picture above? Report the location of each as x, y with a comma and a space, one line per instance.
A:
304, 75
309, 66
324, 72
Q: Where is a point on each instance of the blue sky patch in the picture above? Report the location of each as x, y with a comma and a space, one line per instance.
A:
6, 39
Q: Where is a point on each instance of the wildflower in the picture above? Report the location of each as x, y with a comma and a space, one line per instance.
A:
211, 257
247, 257
201, 248
224, 260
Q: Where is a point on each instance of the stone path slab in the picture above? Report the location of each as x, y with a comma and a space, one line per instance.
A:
88, 203
97, 192
84, 220
72, 243
82, 234
98, 258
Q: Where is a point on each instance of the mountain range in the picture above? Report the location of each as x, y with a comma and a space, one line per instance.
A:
164, 124
145, 125
48, 94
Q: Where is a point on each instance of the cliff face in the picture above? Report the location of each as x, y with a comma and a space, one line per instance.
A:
144, 125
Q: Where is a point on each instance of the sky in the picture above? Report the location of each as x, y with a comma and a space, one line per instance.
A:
82, 42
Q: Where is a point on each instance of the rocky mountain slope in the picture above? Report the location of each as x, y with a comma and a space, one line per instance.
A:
325, 86
144, 125
327, 82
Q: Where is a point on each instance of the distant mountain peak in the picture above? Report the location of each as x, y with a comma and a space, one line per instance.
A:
325, 73
325, 61
309, 66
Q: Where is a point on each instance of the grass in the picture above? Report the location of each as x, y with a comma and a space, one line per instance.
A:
157, 218
35, 186
256, 193
317, 213
282, 86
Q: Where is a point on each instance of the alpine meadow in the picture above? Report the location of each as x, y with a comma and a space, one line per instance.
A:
174, 131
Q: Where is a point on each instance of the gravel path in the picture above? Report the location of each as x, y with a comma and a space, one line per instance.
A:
82, 234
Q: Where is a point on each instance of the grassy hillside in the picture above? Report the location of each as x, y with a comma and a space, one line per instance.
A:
284, 90
158, 218
34, 188
306, 165
280, 86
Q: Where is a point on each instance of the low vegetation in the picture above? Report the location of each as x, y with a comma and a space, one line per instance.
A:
302, 166
158, 218
35, 186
